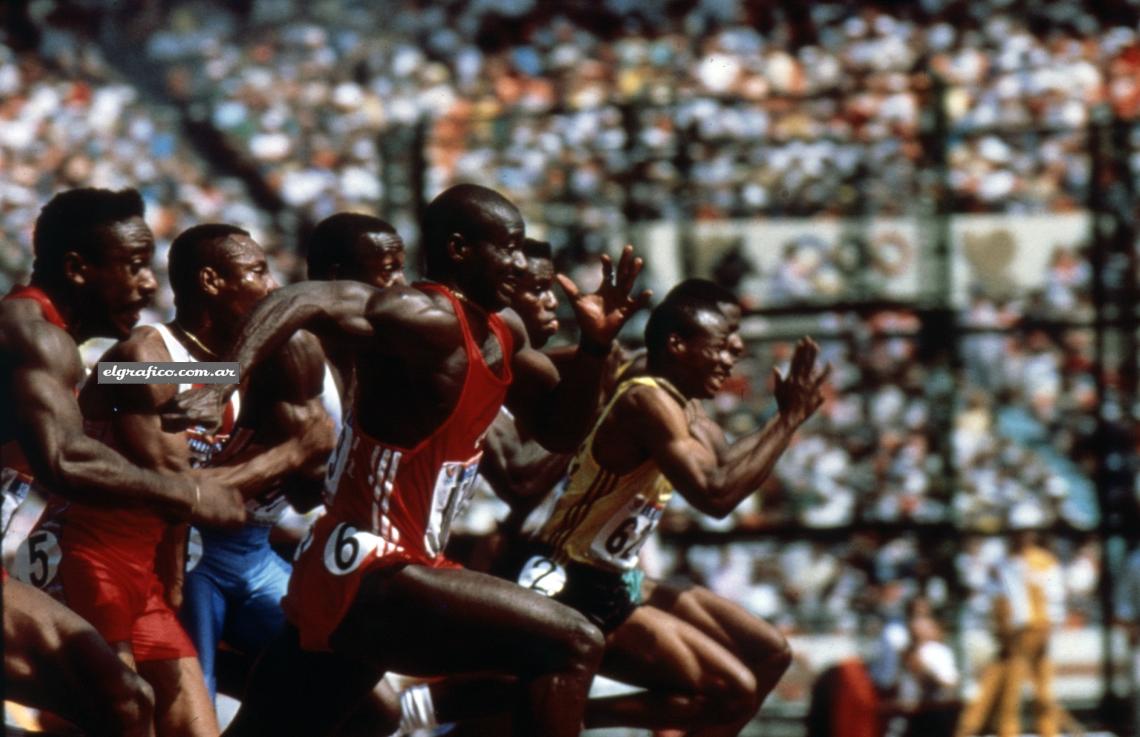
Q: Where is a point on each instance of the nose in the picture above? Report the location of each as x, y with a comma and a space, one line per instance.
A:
549, 301
270, 283
148, 284
518, 260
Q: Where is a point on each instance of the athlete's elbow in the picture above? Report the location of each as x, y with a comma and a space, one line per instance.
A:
708, 499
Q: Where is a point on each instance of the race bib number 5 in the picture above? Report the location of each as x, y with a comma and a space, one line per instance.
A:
346, 548
543, 575
37, 559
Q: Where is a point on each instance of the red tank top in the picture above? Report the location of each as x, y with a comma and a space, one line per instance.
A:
11, 455
408, 497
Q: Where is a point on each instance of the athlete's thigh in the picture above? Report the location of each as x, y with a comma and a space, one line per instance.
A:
203, 615
182, 703
55, 660
423, 621
258, 618
725, 621
299, 692
655, 649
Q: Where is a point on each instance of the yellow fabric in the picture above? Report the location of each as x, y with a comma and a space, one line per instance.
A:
603, 518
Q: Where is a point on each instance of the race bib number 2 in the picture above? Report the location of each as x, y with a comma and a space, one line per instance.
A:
543, 575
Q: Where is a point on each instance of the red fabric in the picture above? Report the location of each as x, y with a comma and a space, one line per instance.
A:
855, 705
122, 598
51, 314
11, 454
399, 502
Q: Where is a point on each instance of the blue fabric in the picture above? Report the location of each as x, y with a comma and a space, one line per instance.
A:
234, 594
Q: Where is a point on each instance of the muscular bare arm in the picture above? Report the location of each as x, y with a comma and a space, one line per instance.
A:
45, 369
131, 410
715, 483
398, 318
559, 409
292, 433
519, 469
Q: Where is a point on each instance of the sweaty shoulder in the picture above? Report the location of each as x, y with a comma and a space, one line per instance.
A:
143, 344
27, 339
645, 407
517, 328
98, 401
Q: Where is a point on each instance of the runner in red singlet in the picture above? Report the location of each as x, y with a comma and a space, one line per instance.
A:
112, 567
91, 278
433, 364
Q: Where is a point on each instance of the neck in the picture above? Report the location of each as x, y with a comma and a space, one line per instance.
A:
63, 300
204, 335
665, 372
454, 287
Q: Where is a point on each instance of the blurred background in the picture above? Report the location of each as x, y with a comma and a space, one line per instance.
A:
943, 193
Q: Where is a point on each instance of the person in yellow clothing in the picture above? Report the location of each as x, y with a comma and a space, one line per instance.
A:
706, 663
1029, 602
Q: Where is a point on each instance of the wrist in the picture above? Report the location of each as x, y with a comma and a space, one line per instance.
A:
594, 348
189, 498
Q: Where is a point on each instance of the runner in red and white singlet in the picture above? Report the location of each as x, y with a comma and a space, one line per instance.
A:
431, 370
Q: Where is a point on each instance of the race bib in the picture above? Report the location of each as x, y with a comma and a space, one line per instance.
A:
37, 559
266, 510
543, 575
14, 490
620, 540
338, 460
346, 548
194, 549
452, 487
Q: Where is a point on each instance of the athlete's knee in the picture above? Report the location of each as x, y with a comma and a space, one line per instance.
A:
731, 697
777, 655
581, 643
130, 701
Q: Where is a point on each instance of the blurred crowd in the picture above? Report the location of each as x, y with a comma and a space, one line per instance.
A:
67, 120
861, 586
595, 115
592, 115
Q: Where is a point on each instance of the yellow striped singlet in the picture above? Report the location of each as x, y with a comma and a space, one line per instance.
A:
603, 519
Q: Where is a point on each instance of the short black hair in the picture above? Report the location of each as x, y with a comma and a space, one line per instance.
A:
702, 290
194, 249
71, 221
677, 314
330, 244
536, 249
460, 209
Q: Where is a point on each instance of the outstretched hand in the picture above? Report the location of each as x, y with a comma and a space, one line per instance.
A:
601, 315
800, 394
199, 407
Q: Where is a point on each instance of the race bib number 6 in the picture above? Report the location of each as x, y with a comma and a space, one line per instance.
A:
619, 541
346, 548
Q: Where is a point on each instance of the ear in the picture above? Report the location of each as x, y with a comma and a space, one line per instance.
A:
74, 268
457, 247
210, 280
675, 345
